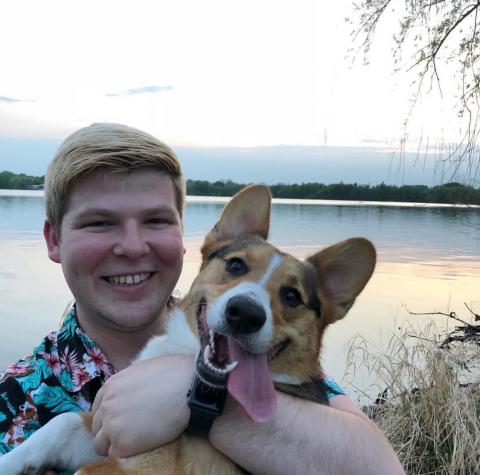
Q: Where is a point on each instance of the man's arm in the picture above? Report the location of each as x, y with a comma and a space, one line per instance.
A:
144, 406
18, 416
305, 437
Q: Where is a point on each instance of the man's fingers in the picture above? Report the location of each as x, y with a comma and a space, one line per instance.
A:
96, 423
97, 401
97, 413
101, 444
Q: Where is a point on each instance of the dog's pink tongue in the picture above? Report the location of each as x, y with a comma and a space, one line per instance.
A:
250, 383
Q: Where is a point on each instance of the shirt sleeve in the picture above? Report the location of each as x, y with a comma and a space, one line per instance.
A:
18, 417
18, 414
5, 424
333, 389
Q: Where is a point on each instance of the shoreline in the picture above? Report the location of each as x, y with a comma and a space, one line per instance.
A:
278, 201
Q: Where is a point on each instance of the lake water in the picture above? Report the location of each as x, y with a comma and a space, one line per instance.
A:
428, 259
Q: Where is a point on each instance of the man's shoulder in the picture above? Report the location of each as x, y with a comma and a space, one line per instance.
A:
42, 385
22, 367
18, 412
27, 366
19, 382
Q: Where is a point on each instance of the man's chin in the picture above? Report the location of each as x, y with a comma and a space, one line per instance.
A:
127, 324
125, 318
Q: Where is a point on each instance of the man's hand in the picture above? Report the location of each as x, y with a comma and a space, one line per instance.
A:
143, 406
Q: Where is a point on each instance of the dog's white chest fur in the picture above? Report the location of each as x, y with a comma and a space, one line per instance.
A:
178, 340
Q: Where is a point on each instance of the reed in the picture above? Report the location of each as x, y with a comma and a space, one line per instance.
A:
429, 403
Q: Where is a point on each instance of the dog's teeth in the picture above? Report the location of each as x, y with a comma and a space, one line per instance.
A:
231, 366
213, 368
207, 354
221, 371
212, 339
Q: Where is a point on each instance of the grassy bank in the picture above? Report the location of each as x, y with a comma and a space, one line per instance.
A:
429, 402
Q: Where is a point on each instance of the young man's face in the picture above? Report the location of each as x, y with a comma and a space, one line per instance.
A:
120, 248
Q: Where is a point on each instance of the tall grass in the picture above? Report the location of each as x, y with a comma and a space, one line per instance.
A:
431, 406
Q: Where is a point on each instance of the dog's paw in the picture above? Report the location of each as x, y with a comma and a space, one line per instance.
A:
11, 466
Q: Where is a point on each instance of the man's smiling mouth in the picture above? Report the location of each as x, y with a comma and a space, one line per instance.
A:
128, 279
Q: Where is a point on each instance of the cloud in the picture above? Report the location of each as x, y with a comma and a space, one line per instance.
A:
141, 90
10, 100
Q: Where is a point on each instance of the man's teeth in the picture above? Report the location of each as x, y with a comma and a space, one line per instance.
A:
208, 354
129, 279
212, 340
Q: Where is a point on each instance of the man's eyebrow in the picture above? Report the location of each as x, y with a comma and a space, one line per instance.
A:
160, 209
94, 211
99, 211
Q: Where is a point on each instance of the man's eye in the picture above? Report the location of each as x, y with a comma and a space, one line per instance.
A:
236, 266
157, 221
98, 224
290, 296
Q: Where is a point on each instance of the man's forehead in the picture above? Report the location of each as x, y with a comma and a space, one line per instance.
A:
149, 190
119, 177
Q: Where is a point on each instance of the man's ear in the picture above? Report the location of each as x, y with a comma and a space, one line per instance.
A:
343, 270
247, 213
53, 242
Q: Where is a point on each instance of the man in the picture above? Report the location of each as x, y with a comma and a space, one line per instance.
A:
114, 200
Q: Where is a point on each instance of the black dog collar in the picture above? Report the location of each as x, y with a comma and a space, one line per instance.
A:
206, 402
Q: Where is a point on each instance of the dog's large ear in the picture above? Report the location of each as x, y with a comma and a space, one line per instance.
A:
343, 270
248, 212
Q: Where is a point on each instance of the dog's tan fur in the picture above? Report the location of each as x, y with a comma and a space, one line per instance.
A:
337, 275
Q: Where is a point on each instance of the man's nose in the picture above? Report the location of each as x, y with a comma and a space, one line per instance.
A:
131, 242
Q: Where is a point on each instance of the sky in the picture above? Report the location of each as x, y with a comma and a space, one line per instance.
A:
249, 91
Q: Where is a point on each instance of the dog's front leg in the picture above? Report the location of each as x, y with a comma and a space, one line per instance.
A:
64, 443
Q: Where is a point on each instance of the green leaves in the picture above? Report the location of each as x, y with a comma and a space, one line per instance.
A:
55, 399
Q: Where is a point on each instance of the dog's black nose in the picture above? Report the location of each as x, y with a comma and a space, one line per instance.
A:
244, 315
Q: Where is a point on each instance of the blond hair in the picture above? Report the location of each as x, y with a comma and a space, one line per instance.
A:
109, 147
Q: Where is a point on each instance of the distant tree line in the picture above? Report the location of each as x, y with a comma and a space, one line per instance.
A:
14, 181
452, 193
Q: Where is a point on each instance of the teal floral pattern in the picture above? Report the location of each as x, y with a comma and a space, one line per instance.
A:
63, 374
333, 389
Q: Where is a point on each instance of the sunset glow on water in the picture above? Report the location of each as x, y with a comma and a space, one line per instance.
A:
428, 260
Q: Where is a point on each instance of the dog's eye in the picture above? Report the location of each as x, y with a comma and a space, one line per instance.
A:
290, 296
236, 266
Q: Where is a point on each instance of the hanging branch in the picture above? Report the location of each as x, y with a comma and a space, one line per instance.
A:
437, 32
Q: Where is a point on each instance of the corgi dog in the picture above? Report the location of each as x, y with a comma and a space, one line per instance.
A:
253, 315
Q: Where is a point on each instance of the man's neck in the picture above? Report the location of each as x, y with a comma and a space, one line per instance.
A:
120, 347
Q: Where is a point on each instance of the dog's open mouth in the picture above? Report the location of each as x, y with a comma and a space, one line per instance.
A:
223, 362
213, 365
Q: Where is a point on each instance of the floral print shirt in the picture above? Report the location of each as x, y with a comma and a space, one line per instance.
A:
333, 389
63, 374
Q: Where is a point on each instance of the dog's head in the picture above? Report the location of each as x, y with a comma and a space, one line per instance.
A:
261, 313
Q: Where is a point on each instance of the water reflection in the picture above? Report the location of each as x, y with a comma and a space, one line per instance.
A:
428, 259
